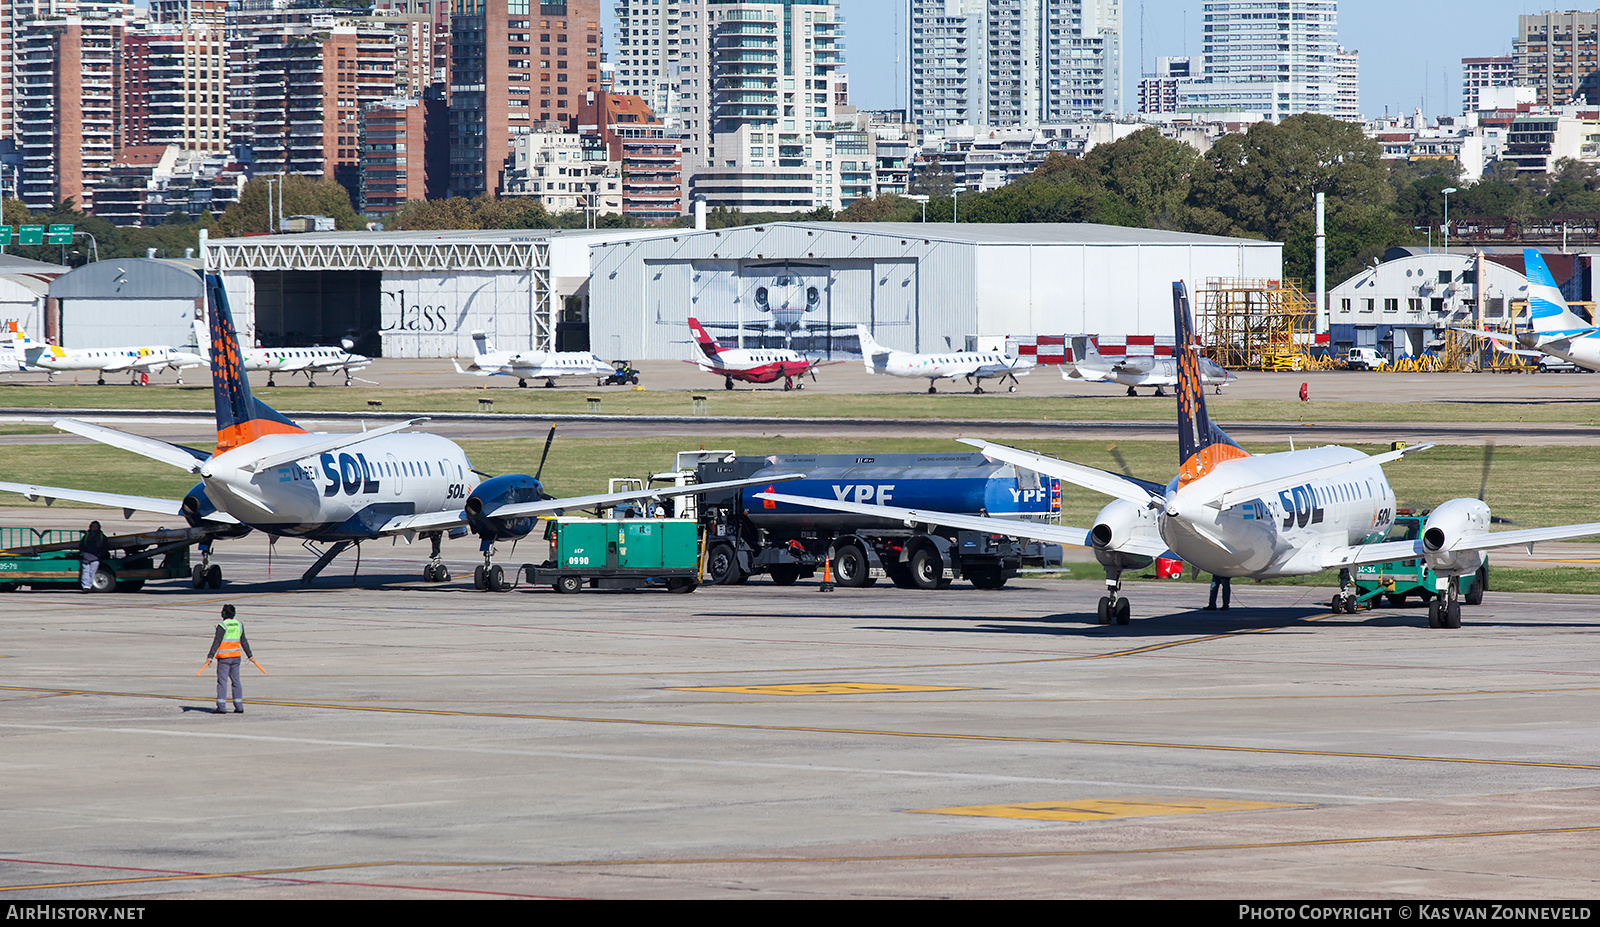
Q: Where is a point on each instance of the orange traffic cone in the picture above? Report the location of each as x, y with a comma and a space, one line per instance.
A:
827, 575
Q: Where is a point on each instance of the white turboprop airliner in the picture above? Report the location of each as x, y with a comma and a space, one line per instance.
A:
957, 365
531, 365
1233, 514
1555, 330
269, 474
1140, 370
309, 361
32, 356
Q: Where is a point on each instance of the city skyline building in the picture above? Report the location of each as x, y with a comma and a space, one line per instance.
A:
515, 66
1273, 60
1012, 62
1558, 54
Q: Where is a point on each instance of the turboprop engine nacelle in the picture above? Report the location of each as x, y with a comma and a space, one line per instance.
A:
1449, 525
1116, 523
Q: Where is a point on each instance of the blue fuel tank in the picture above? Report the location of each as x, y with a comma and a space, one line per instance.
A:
962, 483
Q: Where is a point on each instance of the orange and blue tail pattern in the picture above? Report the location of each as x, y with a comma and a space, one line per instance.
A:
241, 418
1201, 445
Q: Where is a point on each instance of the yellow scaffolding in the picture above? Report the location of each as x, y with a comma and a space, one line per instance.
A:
1259, 324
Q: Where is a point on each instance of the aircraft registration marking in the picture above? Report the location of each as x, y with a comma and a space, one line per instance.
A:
1105, 809
822, 688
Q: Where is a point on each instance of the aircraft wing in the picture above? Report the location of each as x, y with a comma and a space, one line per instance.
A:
434, 520
1407, 550
1001, 370
328, 443
1140, 492
184, 458
557, 506
111, 500
1055, 534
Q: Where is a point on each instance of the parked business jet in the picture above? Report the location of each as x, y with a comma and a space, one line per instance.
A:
1140, 370
309, 361
271, 475
531, 365
1555, 329
759, 365
31, 356
1230, 513
980, 366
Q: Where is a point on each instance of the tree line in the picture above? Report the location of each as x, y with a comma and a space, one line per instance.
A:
1260, 184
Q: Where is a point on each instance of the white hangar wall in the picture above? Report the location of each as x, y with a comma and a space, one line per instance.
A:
917, 287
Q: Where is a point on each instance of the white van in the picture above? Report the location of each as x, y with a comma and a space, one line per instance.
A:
1365, 359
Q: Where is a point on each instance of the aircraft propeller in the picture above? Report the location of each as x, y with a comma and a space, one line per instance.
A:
1483, 483
542, 458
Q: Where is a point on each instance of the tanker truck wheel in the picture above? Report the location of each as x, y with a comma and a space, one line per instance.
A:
784, 574
722, 565
987, 576
927, 568
850, 567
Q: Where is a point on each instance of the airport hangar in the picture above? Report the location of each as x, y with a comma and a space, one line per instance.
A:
626, 293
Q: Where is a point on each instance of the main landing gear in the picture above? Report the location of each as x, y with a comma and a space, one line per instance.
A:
1345, 599
1444, 610
489, 575
1113, 607
550, 383
434, 571
789, 384
727, 382
206, 575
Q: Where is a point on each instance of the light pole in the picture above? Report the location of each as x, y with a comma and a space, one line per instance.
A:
1447, 191
955, 203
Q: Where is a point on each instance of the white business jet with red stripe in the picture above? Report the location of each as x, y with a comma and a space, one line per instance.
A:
1234, 514
269, 474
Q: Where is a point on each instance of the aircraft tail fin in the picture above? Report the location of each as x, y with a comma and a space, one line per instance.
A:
481, 344
202, 340
1547, 307
241, 418
874, 356
708, 344
1201, 445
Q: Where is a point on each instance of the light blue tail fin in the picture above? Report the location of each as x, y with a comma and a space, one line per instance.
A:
1546, 306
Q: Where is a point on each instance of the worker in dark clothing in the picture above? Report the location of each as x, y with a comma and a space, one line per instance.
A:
1225, 583
91, 550
227, 647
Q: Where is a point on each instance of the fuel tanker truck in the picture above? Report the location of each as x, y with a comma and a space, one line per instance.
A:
745, 536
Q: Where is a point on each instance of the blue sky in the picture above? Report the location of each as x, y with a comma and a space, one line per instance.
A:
1409, 49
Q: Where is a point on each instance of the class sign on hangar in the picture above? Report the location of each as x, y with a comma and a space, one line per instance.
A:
917, 287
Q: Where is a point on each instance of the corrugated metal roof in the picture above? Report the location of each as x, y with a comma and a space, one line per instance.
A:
129, 278
435, 236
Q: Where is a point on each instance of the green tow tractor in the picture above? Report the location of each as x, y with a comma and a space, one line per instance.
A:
1399, 580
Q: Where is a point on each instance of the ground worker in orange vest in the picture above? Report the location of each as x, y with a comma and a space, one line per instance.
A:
227, 647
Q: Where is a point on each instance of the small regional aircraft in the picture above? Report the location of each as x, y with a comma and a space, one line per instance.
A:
980, 366
309, 361
1139, 370
31, 356
1556, 330
531, 365
271, 475
759, 365
1231, 513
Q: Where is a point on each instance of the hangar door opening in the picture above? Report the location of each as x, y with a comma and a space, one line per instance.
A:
302, 308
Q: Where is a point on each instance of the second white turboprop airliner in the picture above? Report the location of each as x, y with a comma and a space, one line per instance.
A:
1234, 514
956, 365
